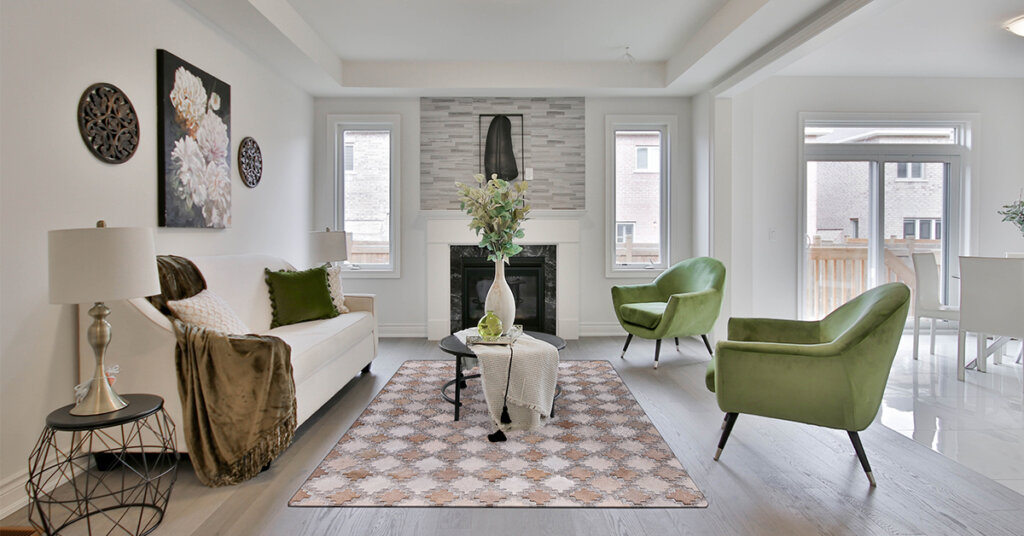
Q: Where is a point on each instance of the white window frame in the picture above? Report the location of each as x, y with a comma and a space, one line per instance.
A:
956, 230
666, 124
392, 123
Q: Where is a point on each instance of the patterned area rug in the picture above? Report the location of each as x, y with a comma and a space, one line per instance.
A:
600, 450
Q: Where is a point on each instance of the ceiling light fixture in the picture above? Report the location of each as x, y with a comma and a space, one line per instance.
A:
628, 57
1016, 26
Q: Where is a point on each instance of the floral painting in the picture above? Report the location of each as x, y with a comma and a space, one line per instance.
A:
194, 145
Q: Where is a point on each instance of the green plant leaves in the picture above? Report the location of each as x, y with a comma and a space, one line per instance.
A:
497, 208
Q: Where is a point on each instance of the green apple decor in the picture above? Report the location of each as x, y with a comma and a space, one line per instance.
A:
489, 326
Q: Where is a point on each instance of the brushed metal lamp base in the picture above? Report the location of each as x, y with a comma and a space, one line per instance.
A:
101, 398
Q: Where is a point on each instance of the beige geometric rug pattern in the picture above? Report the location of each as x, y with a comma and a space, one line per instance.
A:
600, 450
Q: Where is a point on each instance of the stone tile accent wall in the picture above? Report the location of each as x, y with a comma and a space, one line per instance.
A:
554, 148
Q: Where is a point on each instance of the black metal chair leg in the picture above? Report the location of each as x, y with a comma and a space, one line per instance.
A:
855, 439
657, 352
730, 420
708, 344
629, 338
677, 344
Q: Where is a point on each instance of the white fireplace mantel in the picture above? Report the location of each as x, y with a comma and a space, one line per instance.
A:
563, 233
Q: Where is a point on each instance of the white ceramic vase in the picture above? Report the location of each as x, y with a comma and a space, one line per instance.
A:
500, 299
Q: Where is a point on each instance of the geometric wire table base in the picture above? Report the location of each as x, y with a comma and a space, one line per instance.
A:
115, 479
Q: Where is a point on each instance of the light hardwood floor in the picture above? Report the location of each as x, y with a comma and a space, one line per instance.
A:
774, 477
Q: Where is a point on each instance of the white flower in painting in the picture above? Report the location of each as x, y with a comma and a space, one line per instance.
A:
217, 210
191, 170
189, 98
213, 138
214, 101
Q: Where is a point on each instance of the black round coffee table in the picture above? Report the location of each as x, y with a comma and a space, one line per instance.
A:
452, 345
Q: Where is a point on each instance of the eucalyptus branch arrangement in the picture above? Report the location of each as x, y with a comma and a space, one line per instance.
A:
498, 207
1014, 213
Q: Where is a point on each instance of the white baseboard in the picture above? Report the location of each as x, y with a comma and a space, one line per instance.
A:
402, 330
13, 496
601, 329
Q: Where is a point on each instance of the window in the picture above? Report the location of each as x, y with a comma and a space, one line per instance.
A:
648, 158
897, 184
366, 192
350, 157
922, 228
637, 166
624, 232
909, 170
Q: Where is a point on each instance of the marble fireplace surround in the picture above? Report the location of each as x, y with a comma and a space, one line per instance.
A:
445, 232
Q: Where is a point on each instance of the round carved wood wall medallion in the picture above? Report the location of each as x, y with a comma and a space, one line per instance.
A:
250, 162
108, 123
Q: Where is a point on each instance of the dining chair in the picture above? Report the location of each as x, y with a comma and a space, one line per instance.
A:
926, 297
991, 302
1017, 255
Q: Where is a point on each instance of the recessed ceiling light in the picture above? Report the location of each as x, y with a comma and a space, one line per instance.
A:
1016, 25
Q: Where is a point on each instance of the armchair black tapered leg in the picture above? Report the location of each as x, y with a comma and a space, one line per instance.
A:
730, 420
677, 344
855, 439
628, 339
708, 344
657, 352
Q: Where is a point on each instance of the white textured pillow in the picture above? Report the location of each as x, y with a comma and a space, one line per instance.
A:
208, 310
334, 285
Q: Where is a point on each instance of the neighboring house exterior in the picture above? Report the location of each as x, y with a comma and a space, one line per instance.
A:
366, 195
637, 196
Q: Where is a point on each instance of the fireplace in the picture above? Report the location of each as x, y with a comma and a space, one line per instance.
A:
531, 275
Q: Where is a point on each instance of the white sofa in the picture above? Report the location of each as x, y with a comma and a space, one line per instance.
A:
325, 354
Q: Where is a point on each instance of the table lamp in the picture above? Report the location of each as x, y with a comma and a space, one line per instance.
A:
93, 266
328, 246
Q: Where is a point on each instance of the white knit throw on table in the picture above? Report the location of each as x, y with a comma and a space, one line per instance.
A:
531, 387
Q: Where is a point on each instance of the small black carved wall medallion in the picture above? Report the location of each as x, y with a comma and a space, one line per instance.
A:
108, 123
250, 162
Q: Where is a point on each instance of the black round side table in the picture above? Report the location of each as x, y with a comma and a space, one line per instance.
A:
452, 345
113, 471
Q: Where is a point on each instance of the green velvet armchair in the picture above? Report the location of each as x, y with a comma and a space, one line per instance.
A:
828, 373
683, 301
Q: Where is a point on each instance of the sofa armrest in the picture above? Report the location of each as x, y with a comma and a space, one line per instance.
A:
360, 302
151, 313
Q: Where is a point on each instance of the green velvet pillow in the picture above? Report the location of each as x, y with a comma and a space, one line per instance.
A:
299, 296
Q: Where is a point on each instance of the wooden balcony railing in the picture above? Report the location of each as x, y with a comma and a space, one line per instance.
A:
838, 273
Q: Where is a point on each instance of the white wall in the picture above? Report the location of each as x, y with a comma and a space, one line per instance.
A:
765, 166
402, 302
51, 51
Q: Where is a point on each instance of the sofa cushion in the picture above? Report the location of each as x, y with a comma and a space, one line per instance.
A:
646, 314
316, 343
239, 280
334, 284
208, 310
299, 296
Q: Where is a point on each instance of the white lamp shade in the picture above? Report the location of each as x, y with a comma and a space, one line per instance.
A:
328, 246
102, 264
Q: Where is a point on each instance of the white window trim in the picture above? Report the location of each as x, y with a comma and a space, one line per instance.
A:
667, 125
959, 232
391, 122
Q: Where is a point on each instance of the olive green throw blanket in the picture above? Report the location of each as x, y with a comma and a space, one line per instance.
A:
237, 391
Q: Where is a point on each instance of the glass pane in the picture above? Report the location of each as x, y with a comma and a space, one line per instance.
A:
882, 134
913, 210
838, 202
638, 196
367, 193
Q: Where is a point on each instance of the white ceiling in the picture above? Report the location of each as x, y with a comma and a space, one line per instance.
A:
924, 38
505, 30
576, 47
